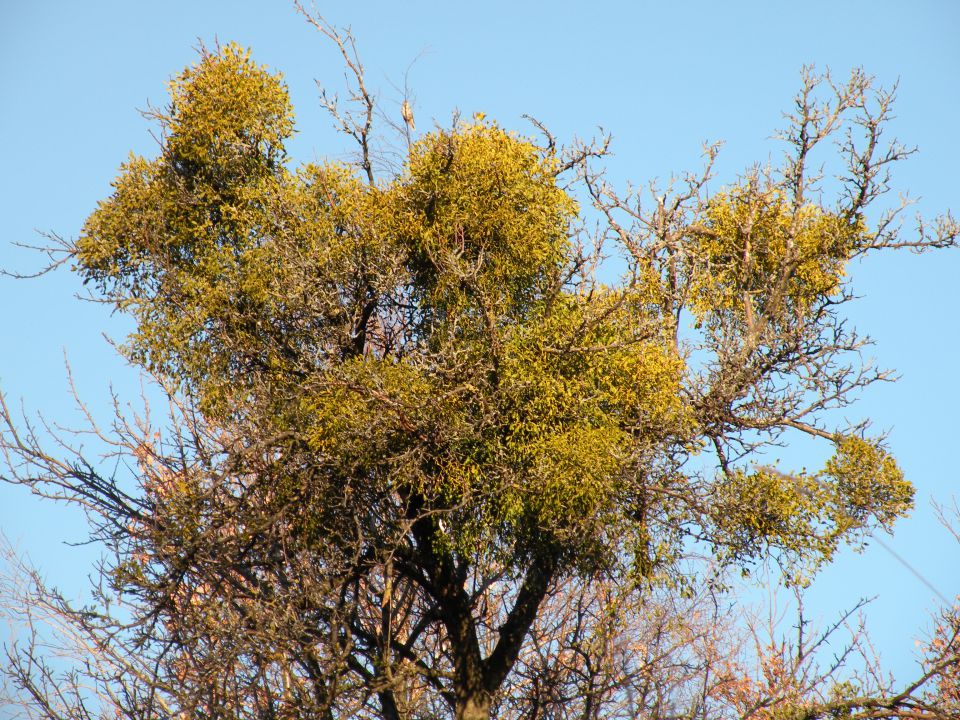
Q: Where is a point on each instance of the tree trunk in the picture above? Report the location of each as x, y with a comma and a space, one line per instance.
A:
475, 707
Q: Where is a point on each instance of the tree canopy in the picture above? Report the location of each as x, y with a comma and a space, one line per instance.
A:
411, 413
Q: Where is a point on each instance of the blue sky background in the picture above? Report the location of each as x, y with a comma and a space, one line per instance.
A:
661, 77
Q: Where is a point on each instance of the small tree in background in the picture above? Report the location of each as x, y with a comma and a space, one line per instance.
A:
421, 462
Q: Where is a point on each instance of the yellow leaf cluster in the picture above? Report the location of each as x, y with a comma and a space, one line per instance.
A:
767, 253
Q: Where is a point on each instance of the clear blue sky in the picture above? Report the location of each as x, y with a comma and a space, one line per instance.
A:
662, 77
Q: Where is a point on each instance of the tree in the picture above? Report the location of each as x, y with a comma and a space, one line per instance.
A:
422, 459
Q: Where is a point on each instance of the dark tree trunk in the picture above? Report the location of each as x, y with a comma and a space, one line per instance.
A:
477, 679
474, 707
